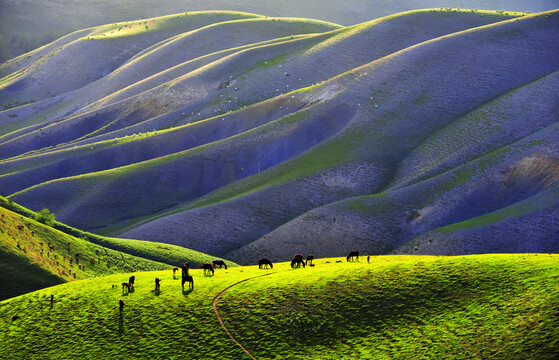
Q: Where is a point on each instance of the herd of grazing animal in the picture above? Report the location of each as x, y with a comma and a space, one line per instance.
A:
297, 261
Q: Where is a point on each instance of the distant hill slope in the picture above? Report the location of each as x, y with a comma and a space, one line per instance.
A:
262, 136
27, 25
392, 307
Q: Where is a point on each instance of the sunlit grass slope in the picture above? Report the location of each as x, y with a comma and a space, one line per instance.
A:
33, 23
395, 307
338, 52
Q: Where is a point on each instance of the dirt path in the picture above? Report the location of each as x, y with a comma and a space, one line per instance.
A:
219, 317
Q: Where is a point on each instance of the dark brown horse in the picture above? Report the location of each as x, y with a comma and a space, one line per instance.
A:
207, 269
354, 256
219, 263
264, 262
189, 280
131, 281
157, 281
297, 260
309, 258
125, 286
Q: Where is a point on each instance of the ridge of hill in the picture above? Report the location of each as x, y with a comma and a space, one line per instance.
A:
483, 306
312, 138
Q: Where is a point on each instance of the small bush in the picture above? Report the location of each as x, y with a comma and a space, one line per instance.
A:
46, 217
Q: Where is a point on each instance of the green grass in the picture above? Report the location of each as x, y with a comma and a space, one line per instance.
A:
424, 307
396, 307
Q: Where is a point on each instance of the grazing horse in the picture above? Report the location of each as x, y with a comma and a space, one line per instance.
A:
189, 280
219, 263
157, 281
125, 285
297, 259
175, 269
309, 258
354, 255
207, 268
264, 262
131, 281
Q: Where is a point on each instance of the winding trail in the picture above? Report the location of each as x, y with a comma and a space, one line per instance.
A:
219, 317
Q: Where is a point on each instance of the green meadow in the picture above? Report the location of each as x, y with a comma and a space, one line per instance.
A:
395, 307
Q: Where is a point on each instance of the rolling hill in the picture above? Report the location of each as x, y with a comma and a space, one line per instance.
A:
27, 25
431, 131
395, 307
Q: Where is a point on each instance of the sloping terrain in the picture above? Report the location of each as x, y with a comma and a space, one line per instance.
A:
255, 136
395, 307
34, 255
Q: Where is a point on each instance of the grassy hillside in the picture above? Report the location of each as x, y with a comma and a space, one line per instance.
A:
276, 136
36, 256
485, 306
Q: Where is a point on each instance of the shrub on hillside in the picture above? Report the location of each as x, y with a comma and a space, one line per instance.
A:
46, 217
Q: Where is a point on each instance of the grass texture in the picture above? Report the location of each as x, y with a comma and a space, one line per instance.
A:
395, 307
